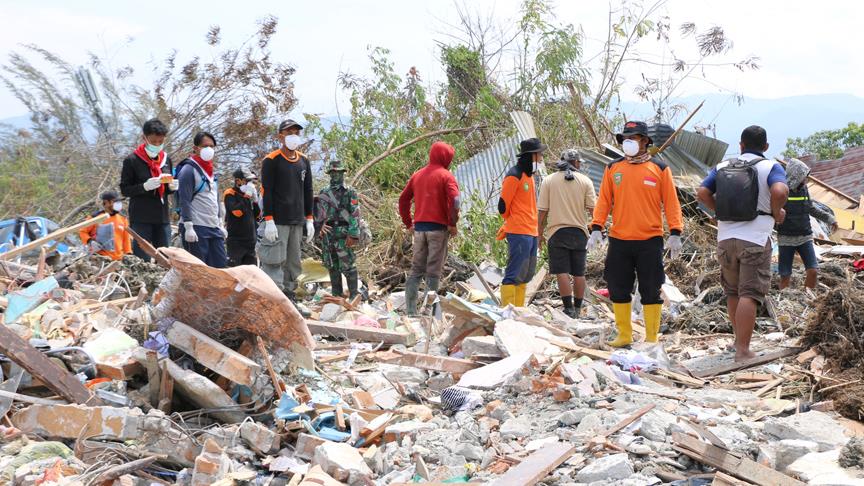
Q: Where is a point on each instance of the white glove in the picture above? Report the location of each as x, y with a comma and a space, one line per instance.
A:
310, 230
174, 185
674, 244
270, 231
189, 234
224, 231
595, 240
94, 246
249, 190
152, 183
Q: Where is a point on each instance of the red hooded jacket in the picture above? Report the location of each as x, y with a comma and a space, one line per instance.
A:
433, 189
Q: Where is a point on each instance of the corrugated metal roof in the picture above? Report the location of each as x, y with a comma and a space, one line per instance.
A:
709, 151
845, 173
482, 174
524, 124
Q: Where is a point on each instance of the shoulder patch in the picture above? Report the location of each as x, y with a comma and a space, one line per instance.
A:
660, 164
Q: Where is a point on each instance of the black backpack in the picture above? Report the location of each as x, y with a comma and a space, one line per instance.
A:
737, 194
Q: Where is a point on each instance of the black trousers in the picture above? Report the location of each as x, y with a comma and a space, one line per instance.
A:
241, 252
628, 259
158, 235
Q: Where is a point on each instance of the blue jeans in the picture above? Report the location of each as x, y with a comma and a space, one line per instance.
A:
787, 257
159, 235
522, 259
210, 247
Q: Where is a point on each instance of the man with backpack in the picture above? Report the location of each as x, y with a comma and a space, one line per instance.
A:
637, 189
795, 235
337, 221
200, 212
747, 194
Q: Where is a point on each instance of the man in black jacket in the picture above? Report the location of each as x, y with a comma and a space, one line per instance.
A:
241, 214
286, 179
146, 180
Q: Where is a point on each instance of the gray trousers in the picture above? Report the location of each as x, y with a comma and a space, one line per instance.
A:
280, 259
430, 253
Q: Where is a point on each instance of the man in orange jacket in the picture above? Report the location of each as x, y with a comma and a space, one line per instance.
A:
636, 189
518, 206
110, 238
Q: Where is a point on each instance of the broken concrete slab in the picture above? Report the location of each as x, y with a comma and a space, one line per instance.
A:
822, 468
496, 374
212, 354
211, 465
261, 439
514, 338
408, 428
655, 425
515, 428
814, 426
247, 299
790, 450
360, 333
481, 345
429, 362
305, 446
330, 311
609, 468
341, 461
198, 389
573, 417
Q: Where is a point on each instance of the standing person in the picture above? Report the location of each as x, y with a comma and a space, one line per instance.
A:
747, 194
146, 180
435, 194
795, 235
241, 216
518, 206
111, 237
566, 200
337, 219
286, 180
200, 212
637, 189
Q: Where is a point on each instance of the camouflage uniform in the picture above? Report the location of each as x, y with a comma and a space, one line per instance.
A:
339, 208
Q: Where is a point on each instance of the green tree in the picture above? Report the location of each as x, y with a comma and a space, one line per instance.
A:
827, 144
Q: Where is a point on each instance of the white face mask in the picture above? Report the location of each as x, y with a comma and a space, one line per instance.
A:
537, 167
207, 153
293, 141
117, 206
630, 147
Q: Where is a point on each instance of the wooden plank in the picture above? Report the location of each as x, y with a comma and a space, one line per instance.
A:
166, 389
359, 333
628, 420
57, 235
534, 285
434, 363
54, 377
537, 466
124, 370
153, 377
591, 353
740, 365
278, 385
721, 479
730, 463
149, 249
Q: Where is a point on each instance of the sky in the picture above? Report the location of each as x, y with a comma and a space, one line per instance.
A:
802, 51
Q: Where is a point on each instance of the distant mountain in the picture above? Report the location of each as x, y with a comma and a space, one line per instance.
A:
22, 121
795, 116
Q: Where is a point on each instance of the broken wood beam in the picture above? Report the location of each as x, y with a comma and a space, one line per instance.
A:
57, 235
278, 385
749, 363
212, 354
359, 333
433, 363
485, 284
537, 466
628, 420
57, 379
149, 249
730, 463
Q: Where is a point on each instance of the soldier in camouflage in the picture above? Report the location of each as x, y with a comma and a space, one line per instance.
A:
337, 222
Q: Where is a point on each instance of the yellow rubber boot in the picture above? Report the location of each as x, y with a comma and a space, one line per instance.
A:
652, 314
519, 300
508, 294
622, 321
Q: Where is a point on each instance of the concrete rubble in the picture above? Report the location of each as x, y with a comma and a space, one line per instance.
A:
214, 377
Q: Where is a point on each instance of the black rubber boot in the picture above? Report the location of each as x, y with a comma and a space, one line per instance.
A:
351, 276
336, 283
412, 285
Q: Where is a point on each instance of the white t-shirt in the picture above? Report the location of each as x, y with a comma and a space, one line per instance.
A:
759, 230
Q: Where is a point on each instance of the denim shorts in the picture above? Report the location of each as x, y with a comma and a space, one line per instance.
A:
787, 257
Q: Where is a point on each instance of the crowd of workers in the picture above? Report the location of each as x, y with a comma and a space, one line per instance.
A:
750, 195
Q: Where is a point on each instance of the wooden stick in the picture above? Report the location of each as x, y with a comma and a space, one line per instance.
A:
57, 235
129, 467
628, 420
485, 283
672, 138
31, 400
278, 386
390, 151
149, 249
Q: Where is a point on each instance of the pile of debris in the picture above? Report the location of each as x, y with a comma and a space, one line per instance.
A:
185, 374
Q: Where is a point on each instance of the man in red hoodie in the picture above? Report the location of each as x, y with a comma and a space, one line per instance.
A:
436, 211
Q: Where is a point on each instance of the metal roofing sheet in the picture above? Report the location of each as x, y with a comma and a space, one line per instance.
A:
482, 174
